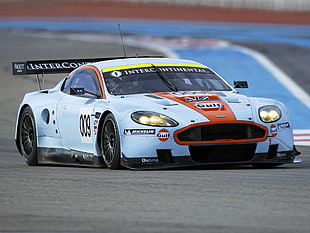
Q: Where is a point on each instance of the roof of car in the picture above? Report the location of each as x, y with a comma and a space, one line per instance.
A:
138, 61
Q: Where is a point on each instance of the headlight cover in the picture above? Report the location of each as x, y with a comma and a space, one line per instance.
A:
269, 113
153, 119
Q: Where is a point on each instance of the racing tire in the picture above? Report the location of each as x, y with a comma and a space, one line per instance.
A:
110, 143
28, 137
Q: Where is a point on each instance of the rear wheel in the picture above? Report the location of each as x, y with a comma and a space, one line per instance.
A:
28, 137
110, 143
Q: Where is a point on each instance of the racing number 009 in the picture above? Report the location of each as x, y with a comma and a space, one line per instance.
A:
85, 128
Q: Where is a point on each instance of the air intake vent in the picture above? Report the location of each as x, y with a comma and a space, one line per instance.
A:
222, 133
222, 153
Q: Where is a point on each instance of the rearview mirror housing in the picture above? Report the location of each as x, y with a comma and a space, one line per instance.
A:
241, 84
77, 91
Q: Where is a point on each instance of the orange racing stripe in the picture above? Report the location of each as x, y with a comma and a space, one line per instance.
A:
210, 105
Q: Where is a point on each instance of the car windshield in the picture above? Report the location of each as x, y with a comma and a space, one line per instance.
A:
155, 78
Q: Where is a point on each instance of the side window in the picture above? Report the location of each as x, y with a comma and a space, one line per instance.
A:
83, 78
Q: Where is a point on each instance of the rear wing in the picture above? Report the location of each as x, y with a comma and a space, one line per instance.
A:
54, 66
41, 67
57, 66
49, 66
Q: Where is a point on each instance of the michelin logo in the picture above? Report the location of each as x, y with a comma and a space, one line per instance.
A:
139, 131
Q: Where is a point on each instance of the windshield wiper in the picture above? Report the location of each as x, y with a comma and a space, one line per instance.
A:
165, 79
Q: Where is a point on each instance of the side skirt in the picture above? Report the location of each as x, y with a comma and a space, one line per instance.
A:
68, 157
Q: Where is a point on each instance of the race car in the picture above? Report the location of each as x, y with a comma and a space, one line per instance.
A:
147, 112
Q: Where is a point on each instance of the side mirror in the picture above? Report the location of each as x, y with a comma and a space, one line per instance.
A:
241, 84
77, 91
82, 91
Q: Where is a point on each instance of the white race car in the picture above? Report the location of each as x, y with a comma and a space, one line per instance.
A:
147, 112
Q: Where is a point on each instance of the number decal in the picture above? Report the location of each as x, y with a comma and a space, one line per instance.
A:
85, 125
85, 128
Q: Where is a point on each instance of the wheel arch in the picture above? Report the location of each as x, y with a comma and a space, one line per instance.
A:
22, 108
100, 128
111, 153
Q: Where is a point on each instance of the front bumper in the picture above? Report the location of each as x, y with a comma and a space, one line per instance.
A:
230, 154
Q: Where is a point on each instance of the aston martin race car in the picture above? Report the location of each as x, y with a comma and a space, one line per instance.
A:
147, 112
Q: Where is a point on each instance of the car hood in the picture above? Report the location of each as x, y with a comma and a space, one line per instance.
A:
195, 106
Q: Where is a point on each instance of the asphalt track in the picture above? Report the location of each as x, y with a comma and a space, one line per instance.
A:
72, 199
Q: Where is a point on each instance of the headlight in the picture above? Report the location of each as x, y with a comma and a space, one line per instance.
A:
269, 113
153, 119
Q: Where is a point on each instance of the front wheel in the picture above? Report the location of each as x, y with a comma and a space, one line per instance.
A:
28, 137
110, 143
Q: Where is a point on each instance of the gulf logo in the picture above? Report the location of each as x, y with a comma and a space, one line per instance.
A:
273, 130
209, 106
163, 135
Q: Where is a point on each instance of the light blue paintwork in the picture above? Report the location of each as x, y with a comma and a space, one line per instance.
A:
62, 130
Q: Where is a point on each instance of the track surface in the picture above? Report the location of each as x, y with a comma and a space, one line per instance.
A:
214, 200
51, 198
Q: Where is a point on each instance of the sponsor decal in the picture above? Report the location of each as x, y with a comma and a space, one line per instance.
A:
97, 115
285, 125
88, 157
55, 65
50, 66
85, 125
150, 160
281, 155
163, 135
209, 106
189, 93
19, 68
273, 130
190, 99
139, 131
96, 122
83, 157
202, 98
116, 74
144, 70
196, 98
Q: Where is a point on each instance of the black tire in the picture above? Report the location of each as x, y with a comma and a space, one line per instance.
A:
110, 143
28, 137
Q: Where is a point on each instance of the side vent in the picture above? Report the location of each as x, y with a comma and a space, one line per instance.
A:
45, 114
272, 151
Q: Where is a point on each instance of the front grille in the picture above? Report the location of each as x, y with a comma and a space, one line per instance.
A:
223, 153
222, 133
